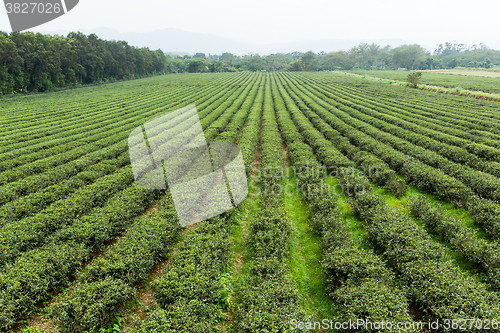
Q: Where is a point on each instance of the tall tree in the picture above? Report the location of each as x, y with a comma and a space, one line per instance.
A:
36, 62
309, 60
296, 66
373, 52
363, 51
228, 59
253, 62
336, 59
278, 61
409, 56
385, 56
10, 65
196, 65
200, 55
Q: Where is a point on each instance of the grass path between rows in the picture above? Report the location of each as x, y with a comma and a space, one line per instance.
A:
305, 258
305, 253
241, 254
306, 248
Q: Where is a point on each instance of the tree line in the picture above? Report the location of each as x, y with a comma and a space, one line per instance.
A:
374, 57
363, 56
35, 62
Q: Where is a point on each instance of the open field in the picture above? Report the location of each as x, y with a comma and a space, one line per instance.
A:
467, 72
367, 201
490, 83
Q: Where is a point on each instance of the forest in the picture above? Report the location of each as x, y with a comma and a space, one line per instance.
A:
36, 62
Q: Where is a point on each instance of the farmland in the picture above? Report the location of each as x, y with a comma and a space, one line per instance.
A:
488, 82
400, 224
468, 72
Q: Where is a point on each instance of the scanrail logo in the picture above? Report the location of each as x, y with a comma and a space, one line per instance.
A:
27, 14
205, 180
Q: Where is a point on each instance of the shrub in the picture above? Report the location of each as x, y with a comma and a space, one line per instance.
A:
81, 312
414, 78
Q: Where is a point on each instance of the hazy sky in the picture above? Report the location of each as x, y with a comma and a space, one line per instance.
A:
271, 21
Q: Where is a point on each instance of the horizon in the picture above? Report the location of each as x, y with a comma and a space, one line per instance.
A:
352, 42
279, 22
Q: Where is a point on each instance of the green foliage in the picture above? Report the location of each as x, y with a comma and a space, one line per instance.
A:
194, 277
253, 63
184, 316
269, 299
196, 288
33, 330
408, 56
423, 265
310, 61
195, 65
396, 151
33, 232
334, 60
81, 312
124, 263
414, 78
200, 55
36, 62
307, 62
55, 263
485, 254
67, 231
296, 66
458, 54
65, 193
392, 223
226, 292
354, 276
485, 213
371, 166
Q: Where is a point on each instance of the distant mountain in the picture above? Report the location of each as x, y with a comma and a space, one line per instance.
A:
171, 40
181, 42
